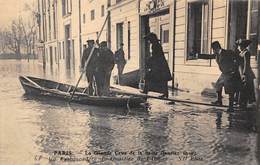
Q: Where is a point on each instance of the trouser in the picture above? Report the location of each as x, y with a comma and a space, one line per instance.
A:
90, 76
99, 77
231, 100
120, 69
106, 85
220, 83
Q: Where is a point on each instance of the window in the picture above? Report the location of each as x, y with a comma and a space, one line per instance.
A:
63, 50
102, 10
84, 18
49, 19
55, 55
119, 34
197, 33
92, 15
66, 7
54, 21
63, 7
129, 40
164, 33
59, 51
69, 6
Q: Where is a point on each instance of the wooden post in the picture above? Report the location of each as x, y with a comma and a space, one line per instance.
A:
258, 76
173, 51
258, 66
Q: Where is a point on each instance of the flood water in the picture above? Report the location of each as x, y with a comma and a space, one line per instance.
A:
43, 131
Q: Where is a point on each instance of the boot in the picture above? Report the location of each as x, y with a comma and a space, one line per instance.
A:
219, 99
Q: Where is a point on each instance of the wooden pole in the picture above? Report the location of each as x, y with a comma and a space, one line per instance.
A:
166, 99
87, 62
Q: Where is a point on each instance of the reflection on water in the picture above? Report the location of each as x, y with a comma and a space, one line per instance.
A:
34, 130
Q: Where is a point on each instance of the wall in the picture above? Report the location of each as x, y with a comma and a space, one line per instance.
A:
124, 12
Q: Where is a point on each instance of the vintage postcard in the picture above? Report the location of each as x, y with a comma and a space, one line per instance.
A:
129, 82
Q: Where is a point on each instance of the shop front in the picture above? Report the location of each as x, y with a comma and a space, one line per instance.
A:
155, 16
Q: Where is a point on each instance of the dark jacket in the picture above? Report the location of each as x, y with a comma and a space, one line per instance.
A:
157, 68
93, 60
120, 57
106, 60
228, 65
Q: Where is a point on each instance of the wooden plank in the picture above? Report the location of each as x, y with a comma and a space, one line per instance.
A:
167, 99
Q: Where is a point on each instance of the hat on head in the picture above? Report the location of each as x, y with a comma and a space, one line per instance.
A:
243, 42
215, 45
90, 41
103, 44
151, 36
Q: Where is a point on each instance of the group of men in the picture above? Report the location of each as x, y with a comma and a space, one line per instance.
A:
236, 74
99, 63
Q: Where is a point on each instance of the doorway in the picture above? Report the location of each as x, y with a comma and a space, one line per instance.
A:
237, 21
158, 23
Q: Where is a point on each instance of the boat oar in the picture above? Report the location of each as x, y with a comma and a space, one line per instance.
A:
167, 99
87, 62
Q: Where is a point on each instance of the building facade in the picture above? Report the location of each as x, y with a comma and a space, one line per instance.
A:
184, 27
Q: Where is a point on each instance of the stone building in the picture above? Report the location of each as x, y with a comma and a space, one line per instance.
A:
184, 27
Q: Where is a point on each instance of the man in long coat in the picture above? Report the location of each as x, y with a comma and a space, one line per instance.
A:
105, 65
228, 65
157, 70
92, 65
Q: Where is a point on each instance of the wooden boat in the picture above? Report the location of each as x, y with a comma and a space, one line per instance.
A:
130, 79
43, 87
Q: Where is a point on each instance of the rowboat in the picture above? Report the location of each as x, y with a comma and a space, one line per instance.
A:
49, 88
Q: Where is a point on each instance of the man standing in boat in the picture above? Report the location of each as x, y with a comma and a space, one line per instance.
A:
92, 65
105, 65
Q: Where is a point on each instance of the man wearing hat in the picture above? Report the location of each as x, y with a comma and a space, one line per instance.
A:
120, 60
228, 65
157, 72
247, 94
92, 66
105, 66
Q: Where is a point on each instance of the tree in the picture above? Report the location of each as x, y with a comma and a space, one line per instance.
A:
3, 41
29, 29
29, 35
14, 37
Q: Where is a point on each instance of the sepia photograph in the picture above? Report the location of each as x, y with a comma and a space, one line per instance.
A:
130, 82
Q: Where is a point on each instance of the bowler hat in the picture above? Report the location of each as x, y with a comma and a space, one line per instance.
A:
243, 42
151, 36
103, 44
215, 45
90, 41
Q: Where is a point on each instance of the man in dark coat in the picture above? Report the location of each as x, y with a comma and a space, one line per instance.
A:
157, 69
91, 67
105, 65
228, 65
120, 60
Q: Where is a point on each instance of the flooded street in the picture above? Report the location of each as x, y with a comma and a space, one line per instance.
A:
44, 131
